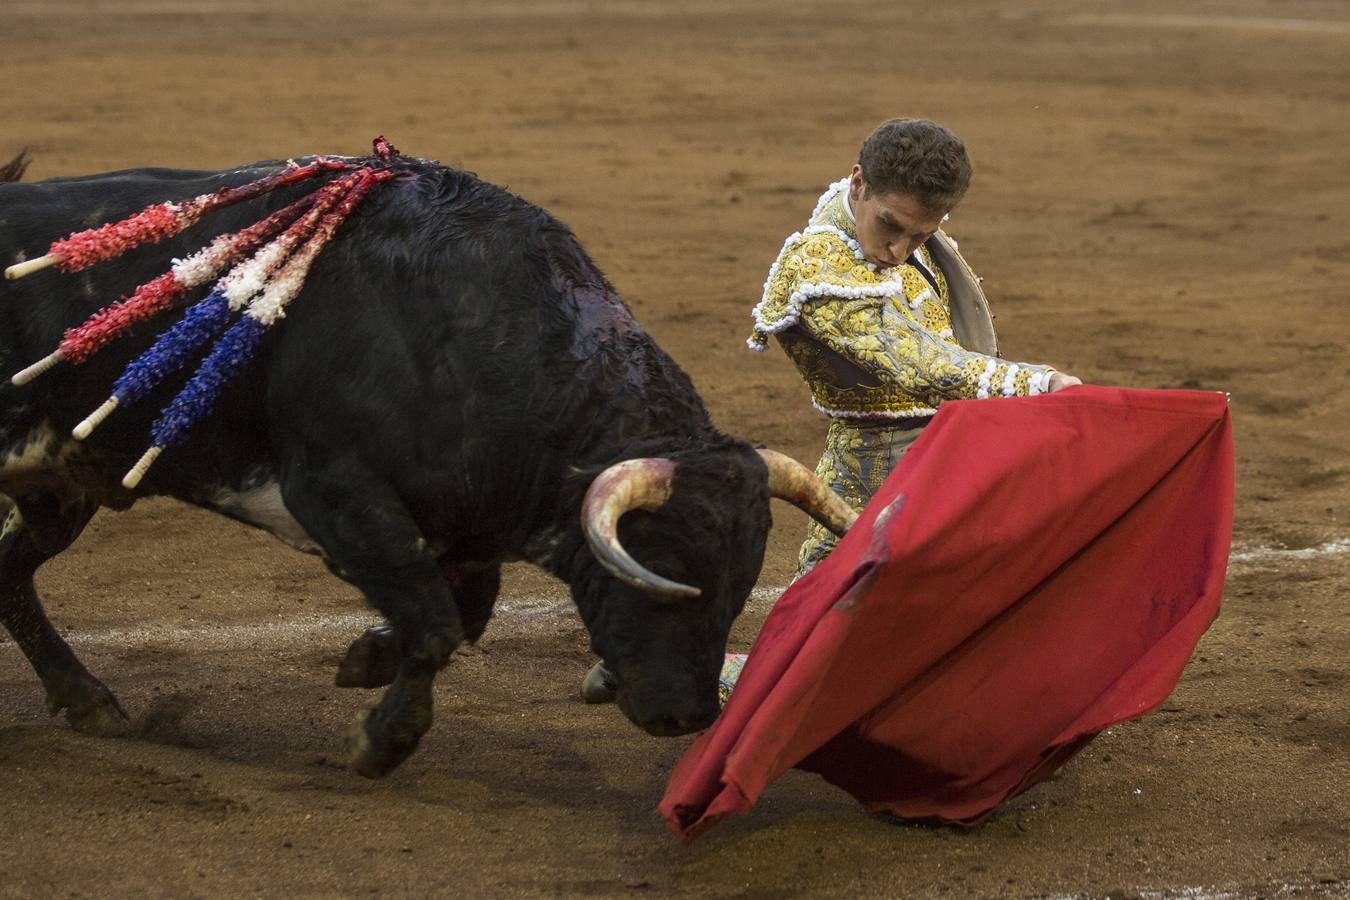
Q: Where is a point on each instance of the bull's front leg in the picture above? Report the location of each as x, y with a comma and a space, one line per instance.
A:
370, 537
388, 732
372, 659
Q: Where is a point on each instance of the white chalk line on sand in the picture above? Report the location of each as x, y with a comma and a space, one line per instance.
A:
512, 608
286, 632
1232, 23
1278, 889
461, 11
1280, 554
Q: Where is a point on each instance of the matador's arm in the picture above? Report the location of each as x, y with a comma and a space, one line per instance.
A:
878, 335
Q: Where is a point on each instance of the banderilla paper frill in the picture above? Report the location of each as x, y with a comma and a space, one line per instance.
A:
265, 267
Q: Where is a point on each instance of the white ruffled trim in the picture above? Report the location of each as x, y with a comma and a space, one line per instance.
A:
851, 243
914, 413
818, 289
1040, 382
812, 291
838, 187
989, 368
918, 299
773, 271
1009, 385
794, 302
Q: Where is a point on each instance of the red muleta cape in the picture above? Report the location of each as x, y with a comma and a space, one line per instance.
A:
1033, 571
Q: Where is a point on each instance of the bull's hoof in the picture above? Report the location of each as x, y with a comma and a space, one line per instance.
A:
373, 753
371, 660
599, 685
92, 710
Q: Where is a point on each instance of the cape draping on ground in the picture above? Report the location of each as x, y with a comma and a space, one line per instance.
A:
1033, 571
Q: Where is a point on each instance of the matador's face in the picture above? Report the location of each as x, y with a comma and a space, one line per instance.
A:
890, 226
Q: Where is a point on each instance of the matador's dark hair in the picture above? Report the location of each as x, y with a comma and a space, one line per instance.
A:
916, 157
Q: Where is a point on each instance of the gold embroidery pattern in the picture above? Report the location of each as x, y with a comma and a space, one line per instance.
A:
857, 458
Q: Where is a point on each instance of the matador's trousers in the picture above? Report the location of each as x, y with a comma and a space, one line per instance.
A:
859, 454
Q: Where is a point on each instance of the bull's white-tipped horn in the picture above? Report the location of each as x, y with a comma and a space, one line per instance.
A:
791, 481
29, 266
23, 376
628, 485
94, 419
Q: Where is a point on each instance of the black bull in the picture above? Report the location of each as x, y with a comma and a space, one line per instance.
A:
438, 400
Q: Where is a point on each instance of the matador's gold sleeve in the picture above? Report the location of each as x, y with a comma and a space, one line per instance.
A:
810, 265
877, 335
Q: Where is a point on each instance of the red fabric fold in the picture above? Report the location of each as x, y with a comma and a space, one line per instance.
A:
1033, 571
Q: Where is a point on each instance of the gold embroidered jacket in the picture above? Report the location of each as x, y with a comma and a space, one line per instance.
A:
882, 343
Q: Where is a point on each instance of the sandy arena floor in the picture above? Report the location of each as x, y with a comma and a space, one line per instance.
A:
1161, 201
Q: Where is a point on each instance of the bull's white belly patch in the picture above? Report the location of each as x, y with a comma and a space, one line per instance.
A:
263, 506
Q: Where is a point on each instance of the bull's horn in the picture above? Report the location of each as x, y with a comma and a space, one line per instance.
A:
627, 485
791, 481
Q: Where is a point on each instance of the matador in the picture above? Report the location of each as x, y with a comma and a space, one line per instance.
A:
882, 316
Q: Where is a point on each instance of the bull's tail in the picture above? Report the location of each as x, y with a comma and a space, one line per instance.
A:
14, 169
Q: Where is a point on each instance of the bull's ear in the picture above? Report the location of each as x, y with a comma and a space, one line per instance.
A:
14, 169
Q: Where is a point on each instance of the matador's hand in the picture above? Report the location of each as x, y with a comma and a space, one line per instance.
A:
1059, 381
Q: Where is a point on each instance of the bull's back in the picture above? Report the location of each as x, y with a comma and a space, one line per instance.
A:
460, 340
451, 333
